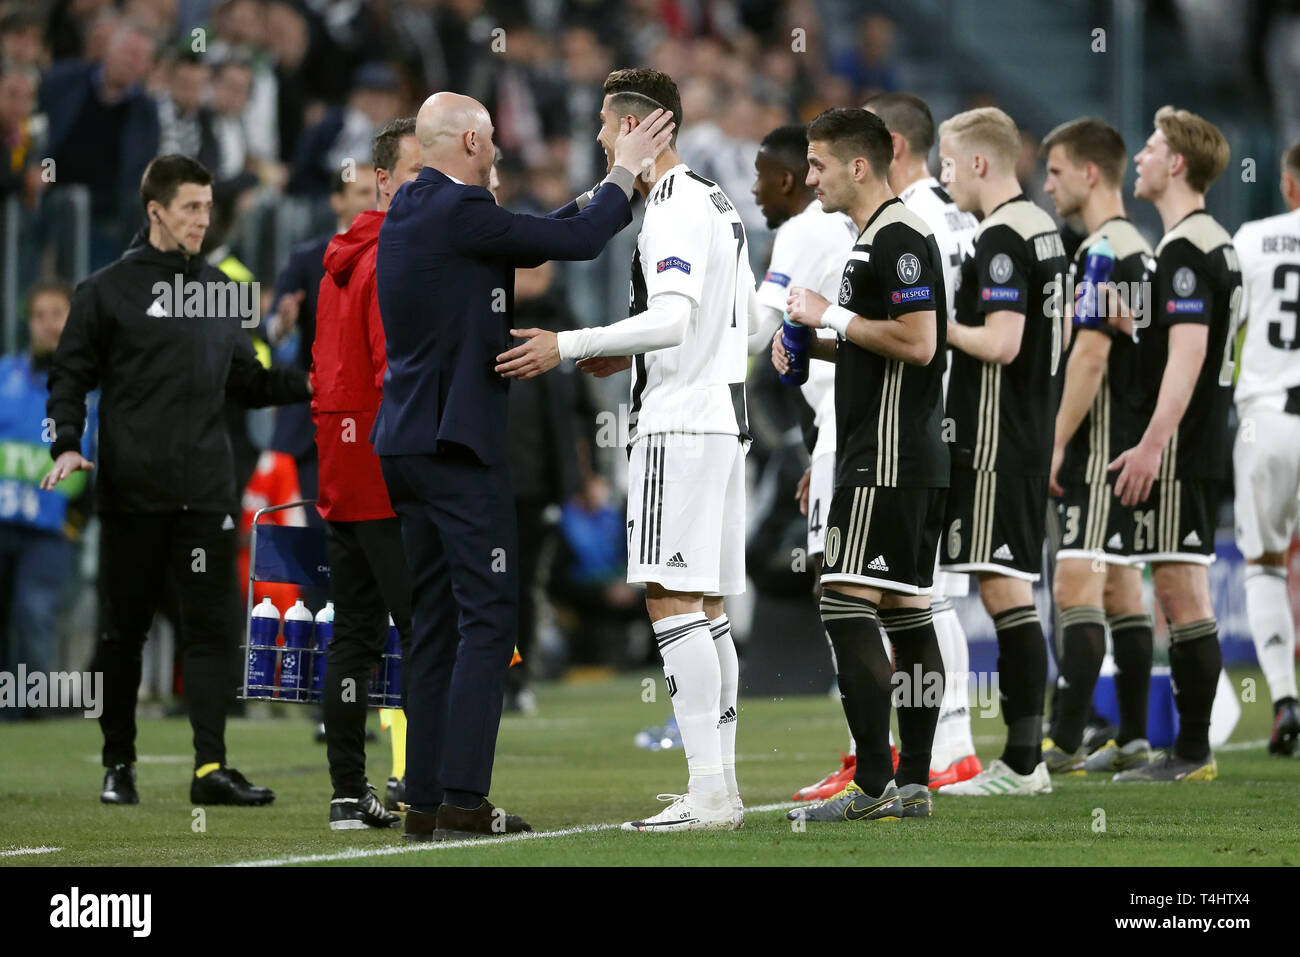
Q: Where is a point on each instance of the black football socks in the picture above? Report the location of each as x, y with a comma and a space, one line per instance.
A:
917, 658
1083, 648
1194, 664
1131, 642
1022, 680
864, 672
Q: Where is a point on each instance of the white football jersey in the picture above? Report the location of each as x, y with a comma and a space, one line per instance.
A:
692, 242
809, 250
953, 230
1269, 252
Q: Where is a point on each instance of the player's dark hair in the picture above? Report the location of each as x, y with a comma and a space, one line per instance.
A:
639, 92
907, 115
47, 287
788, 145
166, 174
852, 133
388, 142
1091, 140
1291, 159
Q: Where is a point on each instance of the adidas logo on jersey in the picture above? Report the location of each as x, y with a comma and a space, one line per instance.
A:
878, 564
1192, 539
1114, 541
676, 561
1003, 554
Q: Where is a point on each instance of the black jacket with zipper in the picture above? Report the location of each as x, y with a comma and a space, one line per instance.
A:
163, 443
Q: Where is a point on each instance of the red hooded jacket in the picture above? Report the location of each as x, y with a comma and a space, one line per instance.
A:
347, 375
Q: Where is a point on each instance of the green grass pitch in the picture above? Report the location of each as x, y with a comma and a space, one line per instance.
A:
574, 769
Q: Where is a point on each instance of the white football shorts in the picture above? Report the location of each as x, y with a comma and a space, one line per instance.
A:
1266, 470
686, 512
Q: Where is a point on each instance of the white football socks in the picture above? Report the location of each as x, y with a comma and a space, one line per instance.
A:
1268, 612
952, 738
695, 686
729, 668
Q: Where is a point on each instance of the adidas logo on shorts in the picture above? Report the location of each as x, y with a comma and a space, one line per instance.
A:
878, 564
1114, 541
1192, 539
676, 561
1003, 554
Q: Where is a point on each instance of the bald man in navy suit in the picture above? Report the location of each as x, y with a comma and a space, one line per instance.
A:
445, 275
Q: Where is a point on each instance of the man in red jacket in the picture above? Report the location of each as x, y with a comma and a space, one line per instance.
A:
368, 572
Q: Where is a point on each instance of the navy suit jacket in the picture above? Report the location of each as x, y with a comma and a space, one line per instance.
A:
445, 275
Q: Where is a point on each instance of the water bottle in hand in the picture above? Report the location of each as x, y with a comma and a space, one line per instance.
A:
1096, 270
795, 339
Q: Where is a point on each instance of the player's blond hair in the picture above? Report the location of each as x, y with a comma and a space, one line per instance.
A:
1200, 143
987, 130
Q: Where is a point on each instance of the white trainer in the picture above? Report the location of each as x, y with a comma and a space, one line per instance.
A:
689, 812
998, 779
737, 811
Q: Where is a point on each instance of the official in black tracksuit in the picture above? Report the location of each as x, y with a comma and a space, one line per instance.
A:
159, 332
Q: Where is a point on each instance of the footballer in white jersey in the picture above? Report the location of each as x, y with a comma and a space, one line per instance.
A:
693, 306
1266, 453
953, 230
809, 250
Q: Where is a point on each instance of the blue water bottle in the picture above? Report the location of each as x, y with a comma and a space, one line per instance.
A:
324, 634
263, 630
795, 339
1096, 270
393, 667
298, 624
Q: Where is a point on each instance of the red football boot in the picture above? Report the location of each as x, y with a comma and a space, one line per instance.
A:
960, 770
833, 783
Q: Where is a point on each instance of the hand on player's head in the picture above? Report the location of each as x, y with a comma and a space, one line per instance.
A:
639, 143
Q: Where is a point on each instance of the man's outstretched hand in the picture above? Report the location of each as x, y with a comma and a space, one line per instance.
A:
65, 465
541, 353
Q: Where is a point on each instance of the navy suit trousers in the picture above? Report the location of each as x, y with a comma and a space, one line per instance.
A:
459, 534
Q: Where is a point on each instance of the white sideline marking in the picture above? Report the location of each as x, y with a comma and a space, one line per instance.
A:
15, 852
358, 853
1241, 745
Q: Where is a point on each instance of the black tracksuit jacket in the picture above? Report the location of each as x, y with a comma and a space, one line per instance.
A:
163, 443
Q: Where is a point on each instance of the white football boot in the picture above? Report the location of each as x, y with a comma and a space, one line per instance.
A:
998, 779
690, 812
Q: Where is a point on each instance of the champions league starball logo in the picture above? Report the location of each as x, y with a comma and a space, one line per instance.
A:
908, 268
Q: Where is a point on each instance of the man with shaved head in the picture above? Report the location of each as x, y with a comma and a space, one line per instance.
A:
445, 278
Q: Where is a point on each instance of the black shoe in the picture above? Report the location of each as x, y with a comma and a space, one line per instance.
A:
359, 813
485, 820
420, 826
395, 795
1286, 728
228, 786
119, 785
